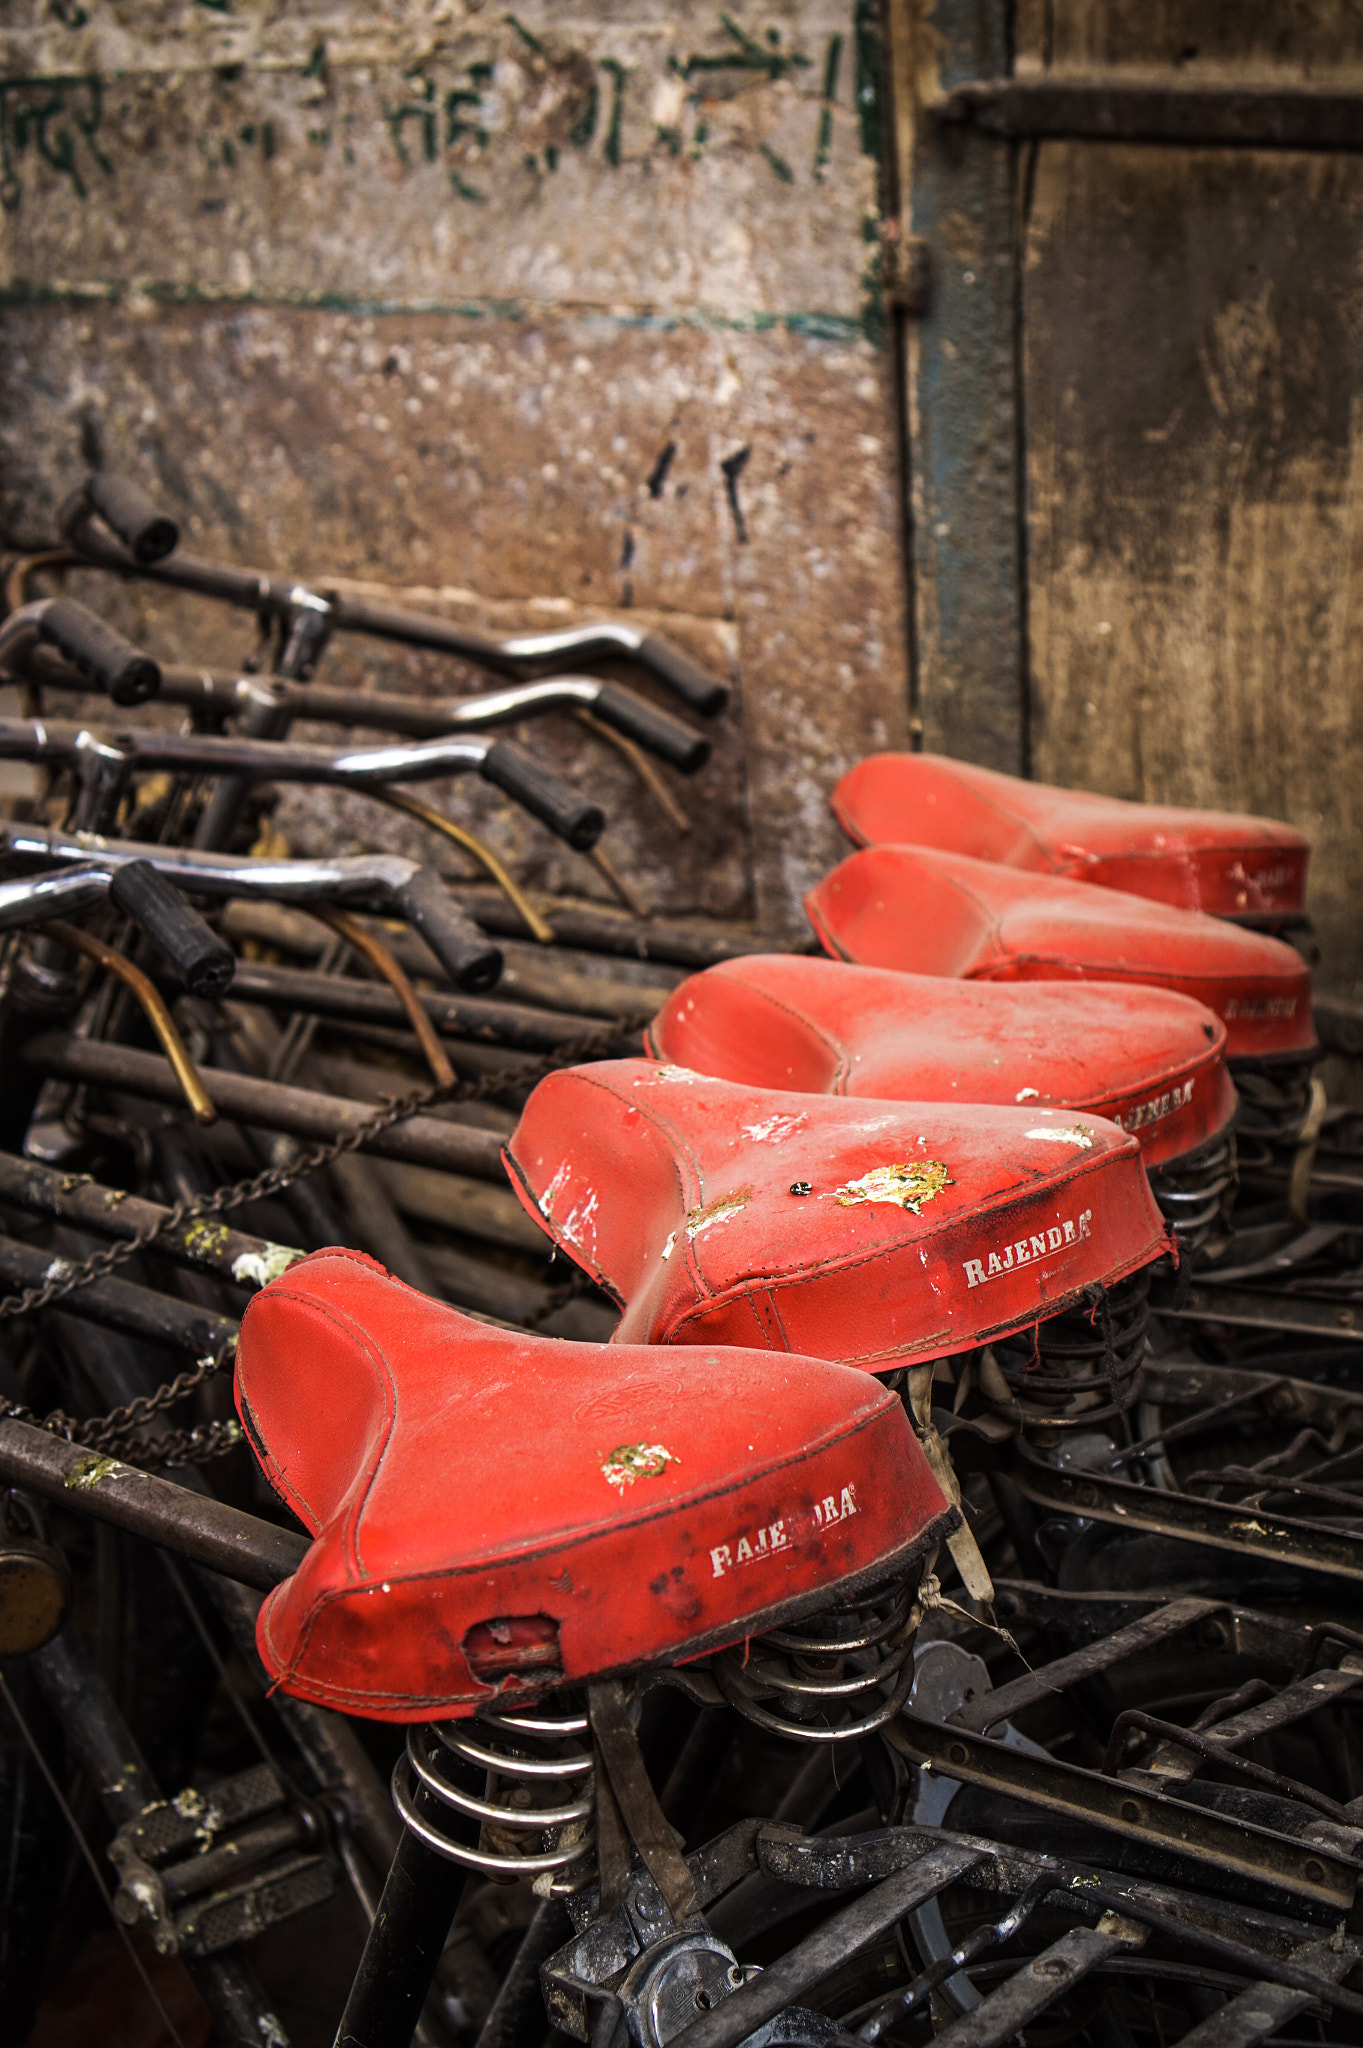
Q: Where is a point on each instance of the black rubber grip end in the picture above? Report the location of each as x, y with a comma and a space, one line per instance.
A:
656, 730
703, 692
126, 509
112, 663
571, 816
467, 955
204, 962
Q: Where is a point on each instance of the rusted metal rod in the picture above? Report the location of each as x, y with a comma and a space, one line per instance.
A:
301, 1112
600, 930
240, 1546
367, 1002
120, 1304
205, 1243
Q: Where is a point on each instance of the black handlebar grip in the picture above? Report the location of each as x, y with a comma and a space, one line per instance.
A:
467, 955
543, 795
112, 663
703, 692
657, 730
148, 534
204, 962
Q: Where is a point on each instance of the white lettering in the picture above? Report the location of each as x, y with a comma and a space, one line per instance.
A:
721, 1559
1025, 1251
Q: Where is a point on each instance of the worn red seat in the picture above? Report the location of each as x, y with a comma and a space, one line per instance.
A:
871, 1232
948, 914
1151, 1061
493, 1510
1217, 861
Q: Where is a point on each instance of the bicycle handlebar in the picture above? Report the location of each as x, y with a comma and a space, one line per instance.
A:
98, 654
468, 956
572, 817
204, 962
616, 706
521, 655
129, 513
380, 882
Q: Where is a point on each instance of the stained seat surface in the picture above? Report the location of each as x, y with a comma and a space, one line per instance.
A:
925, 912
493, 1509
869, 1232
1218, 861
1151, 1061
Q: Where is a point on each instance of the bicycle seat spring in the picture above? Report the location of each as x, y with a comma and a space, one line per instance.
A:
824, 1680
1094, 1349
518, 1790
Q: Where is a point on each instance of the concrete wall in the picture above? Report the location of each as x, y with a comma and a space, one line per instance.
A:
535, 317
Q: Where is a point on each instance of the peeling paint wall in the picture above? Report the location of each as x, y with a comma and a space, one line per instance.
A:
535, 317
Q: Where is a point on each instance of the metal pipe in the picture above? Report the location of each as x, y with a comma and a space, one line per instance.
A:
302, 1112
207, 1531
120, 1304
363, 1002
205, 1243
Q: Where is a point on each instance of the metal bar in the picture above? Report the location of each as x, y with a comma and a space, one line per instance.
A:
1297, 1314
1307, 1869
195, 1526
990, 1708
1258, 2013
120, 1304
599, 930
1145, 110
960, 351
1039, 1982
207, 1244
1176, 1759
1223, 1525
91, 1722
841, 1935
367, 1002
301, 1112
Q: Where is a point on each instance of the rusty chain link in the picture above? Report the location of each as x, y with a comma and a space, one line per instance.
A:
117, 1432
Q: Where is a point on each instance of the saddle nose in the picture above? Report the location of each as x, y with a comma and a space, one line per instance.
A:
496, 1513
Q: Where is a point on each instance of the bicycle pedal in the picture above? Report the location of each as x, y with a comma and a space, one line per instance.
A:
210, 1868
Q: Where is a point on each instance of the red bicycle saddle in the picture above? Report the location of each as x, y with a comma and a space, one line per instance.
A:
1151, 1061
1215, 861
945, 913
870, 1232
494, 1511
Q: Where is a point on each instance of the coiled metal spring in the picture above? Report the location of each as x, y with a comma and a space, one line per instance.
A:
1194, 1193
1275, 1100
1055, 1370
825, 1680
496, 1777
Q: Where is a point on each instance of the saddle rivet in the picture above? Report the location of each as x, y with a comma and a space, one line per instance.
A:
801, 1187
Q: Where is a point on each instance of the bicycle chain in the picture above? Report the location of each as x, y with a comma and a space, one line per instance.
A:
117, 1432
